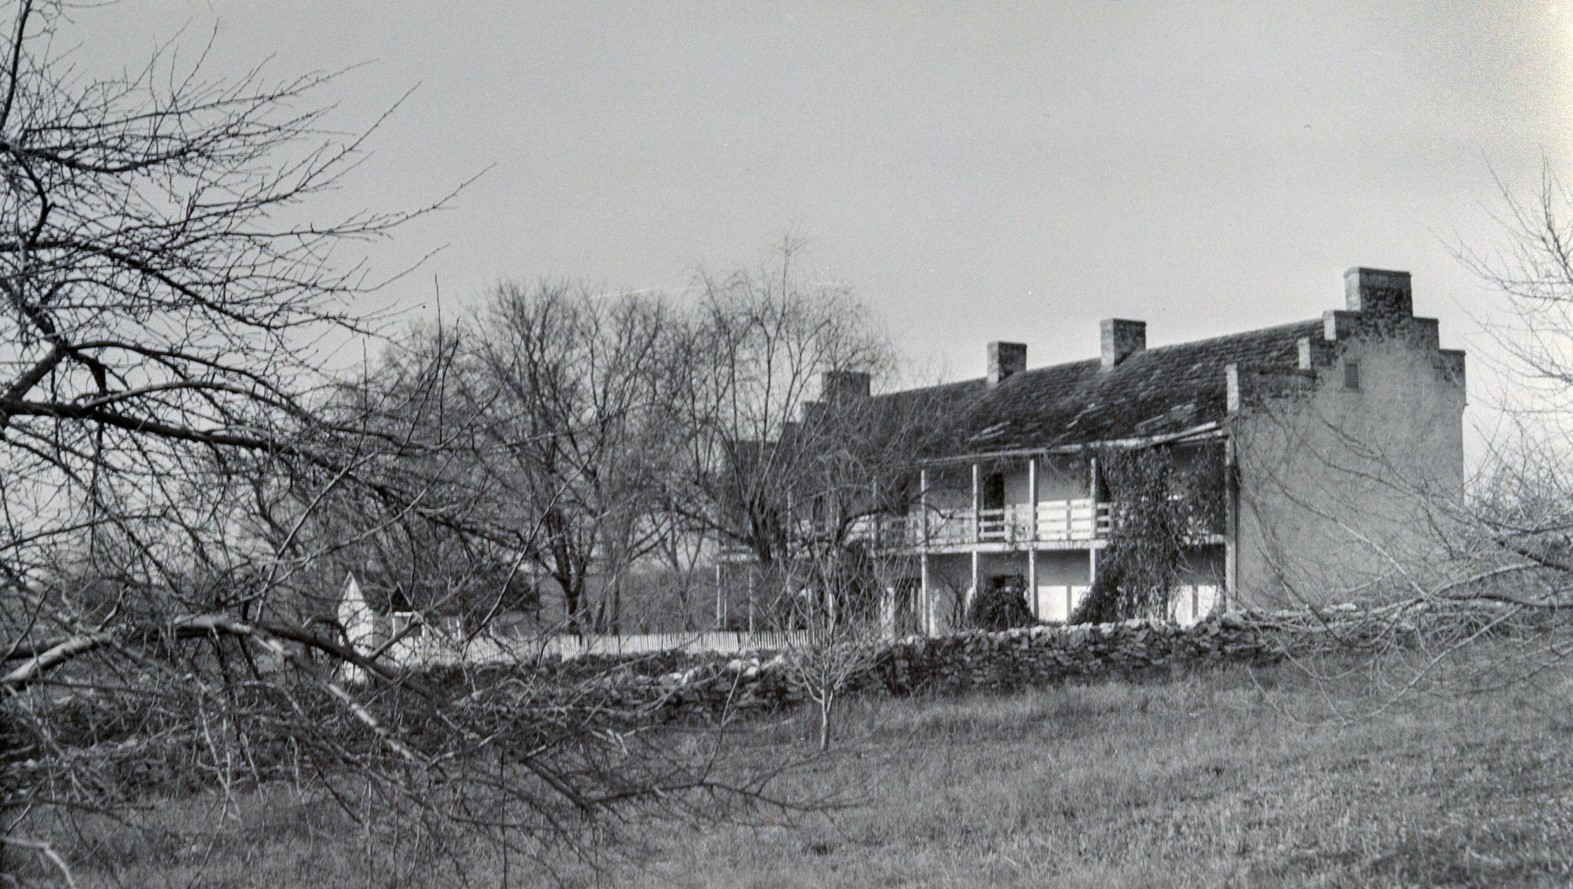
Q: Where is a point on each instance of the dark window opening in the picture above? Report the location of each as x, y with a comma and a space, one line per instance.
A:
1351, 374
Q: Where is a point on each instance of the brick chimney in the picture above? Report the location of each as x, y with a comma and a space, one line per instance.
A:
842, 386
1121, 339
1006, 359
1378, 294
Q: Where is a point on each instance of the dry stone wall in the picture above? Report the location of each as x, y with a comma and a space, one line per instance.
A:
1044, 655
662, 686
976, 660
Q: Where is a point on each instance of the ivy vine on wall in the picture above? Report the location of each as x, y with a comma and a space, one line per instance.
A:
1164, 500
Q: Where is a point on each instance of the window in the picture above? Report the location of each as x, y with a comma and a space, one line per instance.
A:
1351, 374
405, 625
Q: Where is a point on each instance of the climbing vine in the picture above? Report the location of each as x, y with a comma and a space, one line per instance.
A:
1162, 504
1001, 607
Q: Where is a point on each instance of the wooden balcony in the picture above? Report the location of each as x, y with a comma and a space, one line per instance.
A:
1059, 524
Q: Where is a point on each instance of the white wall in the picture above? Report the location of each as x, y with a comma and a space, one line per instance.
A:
362, 628
1341, 490
1059, 478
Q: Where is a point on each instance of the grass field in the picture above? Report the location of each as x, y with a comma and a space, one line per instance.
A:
1229, 777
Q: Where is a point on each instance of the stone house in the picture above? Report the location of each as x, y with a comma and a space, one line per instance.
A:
1328, 446
1323, 455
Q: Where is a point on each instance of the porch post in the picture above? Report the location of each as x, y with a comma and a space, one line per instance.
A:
791, 527
1092, 578
976, 590
1231, 540
923, 542
876, 514
1032, 497
1032, 581
977, 504
1032, 537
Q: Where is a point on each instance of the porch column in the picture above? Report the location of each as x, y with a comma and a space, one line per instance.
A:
1032, 497
1092, 578
1032, 581
720, 600
1032, 537
923, 542
976, 590
977, 503
1231, 540
877, 515
1094, 495
790, 522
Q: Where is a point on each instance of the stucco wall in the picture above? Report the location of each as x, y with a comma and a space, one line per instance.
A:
1059, 478
949, 575
1340, 488
950, 487
1064, 478
1016, 482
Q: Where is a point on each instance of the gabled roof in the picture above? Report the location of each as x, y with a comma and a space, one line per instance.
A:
1156, 392
479, 593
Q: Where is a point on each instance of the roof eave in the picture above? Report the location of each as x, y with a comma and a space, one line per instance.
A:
1203, 432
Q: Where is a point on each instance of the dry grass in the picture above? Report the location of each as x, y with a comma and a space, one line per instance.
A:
1221, 778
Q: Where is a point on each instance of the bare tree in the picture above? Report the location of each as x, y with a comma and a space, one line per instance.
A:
762, 346
419, 522
1513, 537
168, 436
791, 453
165, 277
797, 469
835, 621
575, 433
1526, 497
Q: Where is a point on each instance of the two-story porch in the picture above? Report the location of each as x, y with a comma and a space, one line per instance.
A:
1033, 523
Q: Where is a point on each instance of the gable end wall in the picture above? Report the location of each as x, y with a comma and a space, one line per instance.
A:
1341, 489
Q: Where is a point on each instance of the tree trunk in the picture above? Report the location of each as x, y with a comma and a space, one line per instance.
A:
616, 625
573, 603
8, 860
826, 704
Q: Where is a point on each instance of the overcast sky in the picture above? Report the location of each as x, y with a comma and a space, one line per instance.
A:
975, 171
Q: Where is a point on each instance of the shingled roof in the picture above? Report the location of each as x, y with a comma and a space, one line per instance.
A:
1155, 392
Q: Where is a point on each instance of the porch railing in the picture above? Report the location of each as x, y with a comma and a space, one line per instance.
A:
1058, 521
